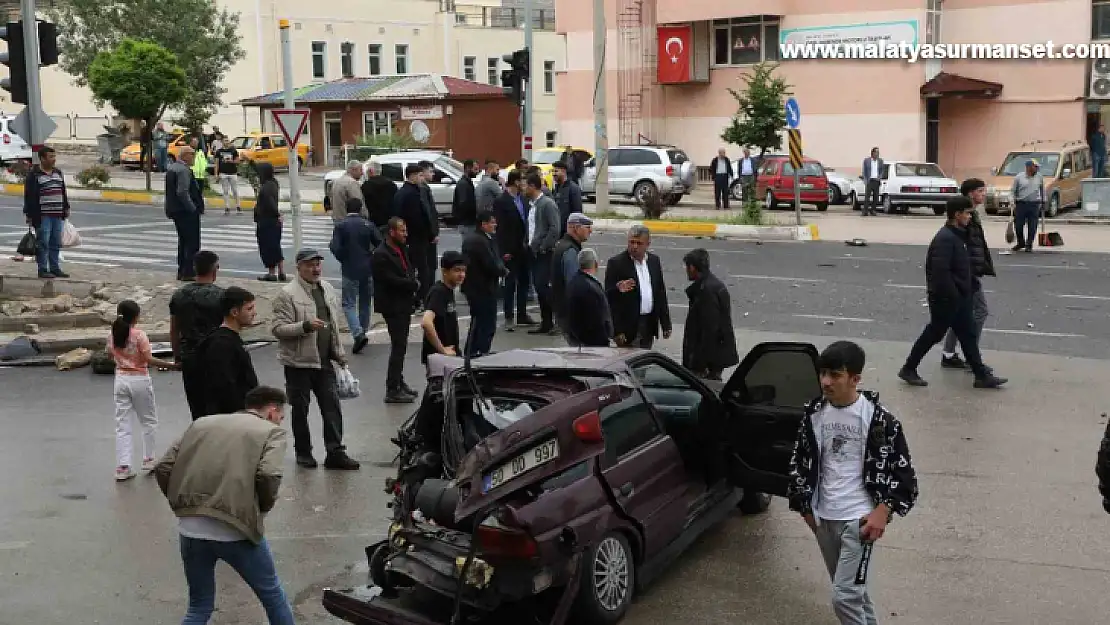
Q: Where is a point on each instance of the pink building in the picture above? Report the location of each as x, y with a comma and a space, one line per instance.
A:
963, 114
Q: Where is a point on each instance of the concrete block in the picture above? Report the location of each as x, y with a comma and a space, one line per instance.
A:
22, 286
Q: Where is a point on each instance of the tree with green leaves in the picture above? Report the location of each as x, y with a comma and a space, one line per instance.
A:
204, 38
761, 110
141, 80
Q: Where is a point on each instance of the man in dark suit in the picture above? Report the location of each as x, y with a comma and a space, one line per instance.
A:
464, 203
636, 293
484, 269
872, 175
511, 210
395, 286
722, 176
408, 204
378, 192
709, 343
589, 323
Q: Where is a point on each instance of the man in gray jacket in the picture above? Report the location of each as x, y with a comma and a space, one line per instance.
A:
344, 188
489, 188
306, 325
543, 234
184, 211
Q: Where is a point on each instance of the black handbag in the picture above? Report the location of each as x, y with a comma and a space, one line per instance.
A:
27, 244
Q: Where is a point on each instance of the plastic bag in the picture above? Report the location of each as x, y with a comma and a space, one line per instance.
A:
1011, 236
70, 236
73, 359
346, 384
27, 244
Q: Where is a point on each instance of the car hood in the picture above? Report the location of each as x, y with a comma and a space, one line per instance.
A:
1004, 183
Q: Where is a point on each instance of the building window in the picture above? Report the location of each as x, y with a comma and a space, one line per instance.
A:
347, 59
469, 63
932, 22
319, 60
492, 75
549, 76
401, 51
549, 138
378, 122
745, 40
374, 53
1100, 19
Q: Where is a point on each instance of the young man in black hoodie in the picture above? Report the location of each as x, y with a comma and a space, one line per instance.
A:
228, 369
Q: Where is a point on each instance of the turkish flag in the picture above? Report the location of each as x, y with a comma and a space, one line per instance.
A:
675, 48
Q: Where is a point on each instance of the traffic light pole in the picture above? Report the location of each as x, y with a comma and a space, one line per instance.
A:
34, 91
530, 9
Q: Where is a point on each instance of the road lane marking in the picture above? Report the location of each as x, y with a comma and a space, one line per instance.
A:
1057, 335
1077, 267
873, 259
778, 278
904, 286
834, 318
1097, 297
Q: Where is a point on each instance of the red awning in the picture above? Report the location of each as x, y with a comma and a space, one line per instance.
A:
945, 85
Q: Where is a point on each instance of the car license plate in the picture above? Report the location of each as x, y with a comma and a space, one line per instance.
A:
540, 454
807, 186
931, 190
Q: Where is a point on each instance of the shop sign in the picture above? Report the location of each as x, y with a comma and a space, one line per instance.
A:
422, 112
882, 33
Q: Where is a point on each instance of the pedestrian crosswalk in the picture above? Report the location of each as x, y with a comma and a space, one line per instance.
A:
154, 244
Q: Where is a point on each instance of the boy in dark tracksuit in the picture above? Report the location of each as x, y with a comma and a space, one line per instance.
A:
850, 472
228, 369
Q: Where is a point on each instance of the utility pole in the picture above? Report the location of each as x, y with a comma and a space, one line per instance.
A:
530, 9
34, 93
601, 113
294, 165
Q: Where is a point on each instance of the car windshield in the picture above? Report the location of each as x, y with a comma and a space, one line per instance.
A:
242, 143
546, 157
448, 165
924, 170
808, 169
1015, 162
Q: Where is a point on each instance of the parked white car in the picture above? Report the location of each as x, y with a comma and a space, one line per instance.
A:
906, 184
448, 171
636, 170
12, 147
840, 186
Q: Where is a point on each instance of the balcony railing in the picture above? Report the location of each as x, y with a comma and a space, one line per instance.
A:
501, 17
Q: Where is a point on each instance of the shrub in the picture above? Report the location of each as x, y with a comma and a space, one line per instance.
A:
653, 204
752, 214
250, 174
18, 171
94, 177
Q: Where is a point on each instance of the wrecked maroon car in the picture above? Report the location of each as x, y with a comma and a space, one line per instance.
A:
556, 484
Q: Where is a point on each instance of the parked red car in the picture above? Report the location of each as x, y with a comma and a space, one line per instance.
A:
775, 183
563, 481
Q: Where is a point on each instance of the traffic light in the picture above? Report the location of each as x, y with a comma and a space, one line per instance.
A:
512, 80
48, 44
16, 82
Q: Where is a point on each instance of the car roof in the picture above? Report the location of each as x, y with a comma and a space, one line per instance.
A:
1049, 145
423, 155
600, 359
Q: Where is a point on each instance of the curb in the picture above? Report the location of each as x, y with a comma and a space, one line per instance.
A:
720, 231
142, 197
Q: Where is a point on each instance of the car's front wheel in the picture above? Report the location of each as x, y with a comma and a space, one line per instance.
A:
835, 196
608, 581
853, 200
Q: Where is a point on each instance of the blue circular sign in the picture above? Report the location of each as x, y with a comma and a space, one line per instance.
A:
793, 113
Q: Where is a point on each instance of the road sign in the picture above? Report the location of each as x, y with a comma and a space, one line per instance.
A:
793, 113
43, 124
796, 148
291, 122
527, 143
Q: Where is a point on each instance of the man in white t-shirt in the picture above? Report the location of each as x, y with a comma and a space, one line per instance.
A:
850, 473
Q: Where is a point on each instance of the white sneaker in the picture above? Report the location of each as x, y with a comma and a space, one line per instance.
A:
124, 473
148, 465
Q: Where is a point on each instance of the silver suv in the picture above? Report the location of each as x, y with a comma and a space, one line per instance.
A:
636, 170
448, 171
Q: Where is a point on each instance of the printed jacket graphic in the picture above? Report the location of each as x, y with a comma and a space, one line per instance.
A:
888, 473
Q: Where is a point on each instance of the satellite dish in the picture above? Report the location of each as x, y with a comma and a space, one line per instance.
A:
419, 131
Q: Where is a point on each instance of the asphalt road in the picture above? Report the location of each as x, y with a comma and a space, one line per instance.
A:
1046, 302
1008, 528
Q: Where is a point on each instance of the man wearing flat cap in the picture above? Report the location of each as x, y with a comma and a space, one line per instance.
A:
306, 317
1028, 194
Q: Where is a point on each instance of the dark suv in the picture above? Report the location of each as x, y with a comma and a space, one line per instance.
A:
565, 480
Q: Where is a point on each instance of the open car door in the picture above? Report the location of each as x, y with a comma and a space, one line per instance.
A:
541, 445
764, 402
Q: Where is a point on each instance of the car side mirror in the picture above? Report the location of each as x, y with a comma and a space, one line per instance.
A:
764, 394
1065, 173
994, 171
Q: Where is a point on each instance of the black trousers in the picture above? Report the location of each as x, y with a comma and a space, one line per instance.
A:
483, 318
188, 243
300, 385
516, 287
643, 338
942, 316
871, 196
192, 378
541, 277
398, 328
720, 190
423, 258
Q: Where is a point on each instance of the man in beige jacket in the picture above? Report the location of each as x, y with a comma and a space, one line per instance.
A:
344, 188
220, 478
306, 325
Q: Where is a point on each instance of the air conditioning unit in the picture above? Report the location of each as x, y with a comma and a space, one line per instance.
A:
1100, 80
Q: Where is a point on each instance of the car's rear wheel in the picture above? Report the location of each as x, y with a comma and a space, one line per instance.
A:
608, 581
822, 206
853, 200
939, 210
642, 191
1053, 206
835, 196
737, 191
888, 207
754, 502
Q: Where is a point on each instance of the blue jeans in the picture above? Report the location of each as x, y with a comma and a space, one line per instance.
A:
160, 157
356, 304
49, 243
1098, 164
483, 318
254, 563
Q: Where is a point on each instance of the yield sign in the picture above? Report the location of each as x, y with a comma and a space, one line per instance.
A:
291, 122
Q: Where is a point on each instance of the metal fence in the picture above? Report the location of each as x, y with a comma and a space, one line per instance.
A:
79, 128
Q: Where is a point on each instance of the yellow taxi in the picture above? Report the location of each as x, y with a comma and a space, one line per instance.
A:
545, 159
131, 156
269, 147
